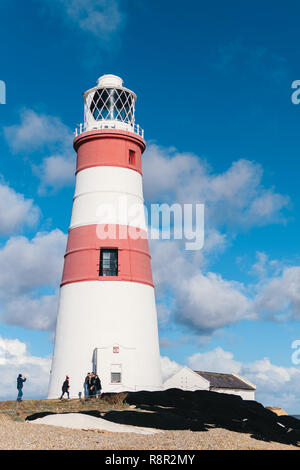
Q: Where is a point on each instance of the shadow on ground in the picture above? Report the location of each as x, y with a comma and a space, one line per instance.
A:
200, 410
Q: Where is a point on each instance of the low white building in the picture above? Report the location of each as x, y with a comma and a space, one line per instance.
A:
187, 379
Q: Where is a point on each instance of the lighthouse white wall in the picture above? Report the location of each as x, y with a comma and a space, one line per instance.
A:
109, 178
97, 316
102, 187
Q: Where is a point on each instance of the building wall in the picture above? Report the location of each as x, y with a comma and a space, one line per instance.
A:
245, 394
186, 379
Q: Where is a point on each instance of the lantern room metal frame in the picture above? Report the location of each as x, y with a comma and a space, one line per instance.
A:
109, 105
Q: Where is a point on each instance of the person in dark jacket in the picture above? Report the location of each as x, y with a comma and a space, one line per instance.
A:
20, 382
65, 388
87, 385
92, 385
98, 386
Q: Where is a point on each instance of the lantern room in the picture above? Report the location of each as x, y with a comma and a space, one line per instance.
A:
109, 105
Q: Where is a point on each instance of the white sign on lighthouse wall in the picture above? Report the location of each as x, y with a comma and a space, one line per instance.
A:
107, 320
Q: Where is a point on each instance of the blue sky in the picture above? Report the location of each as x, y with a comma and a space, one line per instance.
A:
214, 97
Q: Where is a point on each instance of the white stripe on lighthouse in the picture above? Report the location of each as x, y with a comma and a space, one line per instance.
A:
102, 315
108, 195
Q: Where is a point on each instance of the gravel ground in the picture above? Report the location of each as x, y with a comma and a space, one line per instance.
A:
16, 435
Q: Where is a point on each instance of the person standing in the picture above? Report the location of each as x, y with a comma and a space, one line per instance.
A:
87, 385
20, 382
65, 388
92, 385
98, 386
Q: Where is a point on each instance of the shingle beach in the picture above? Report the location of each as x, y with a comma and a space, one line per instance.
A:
16, 435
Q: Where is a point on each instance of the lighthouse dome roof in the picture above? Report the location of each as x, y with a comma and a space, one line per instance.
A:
110, 80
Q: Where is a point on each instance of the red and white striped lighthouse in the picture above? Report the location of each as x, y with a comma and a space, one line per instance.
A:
107, 320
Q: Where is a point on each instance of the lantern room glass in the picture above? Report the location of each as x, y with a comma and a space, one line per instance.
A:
113, 104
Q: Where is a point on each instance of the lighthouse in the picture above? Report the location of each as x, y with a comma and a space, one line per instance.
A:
107, 319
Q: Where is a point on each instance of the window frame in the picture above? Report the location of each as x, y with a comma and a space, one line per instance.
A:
115, 382
116, 368
105, 250
132, 157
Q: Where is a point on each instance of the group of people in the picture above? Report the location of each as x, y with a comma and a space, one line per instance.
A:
92, 386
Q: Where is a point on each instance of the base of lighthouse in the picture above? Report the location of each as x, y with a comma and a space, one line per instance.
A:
111, 328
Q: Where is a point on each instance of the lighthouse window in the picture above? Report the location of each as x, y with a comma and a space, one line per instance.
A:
131, 157
108, 262
116, 377
116, 373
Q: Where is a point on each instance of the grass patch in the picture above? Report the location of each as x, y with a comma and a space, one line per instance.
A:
18, 411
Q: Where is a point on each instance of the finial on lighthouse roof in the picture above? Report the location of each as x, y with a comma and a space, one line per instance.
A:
110, 80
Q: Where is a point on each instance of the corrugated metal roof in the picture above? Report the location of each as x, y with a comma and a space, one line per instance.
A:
231, 381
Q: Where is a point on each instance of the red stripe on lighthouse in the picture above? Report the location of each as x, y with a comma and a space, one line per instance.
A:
82, 256
109, 148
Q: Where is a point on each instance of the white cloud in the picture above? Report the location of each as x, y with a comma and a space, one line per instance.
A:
207, 302
16, 211
102, 18
36, 131
33, 313
169, 256
28, 267
28, 264
278, 297
202, 301
234, 198
168, 367
163, 313
276, 385
217, 360
260, 268
51, 137
15, 360
56, 172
